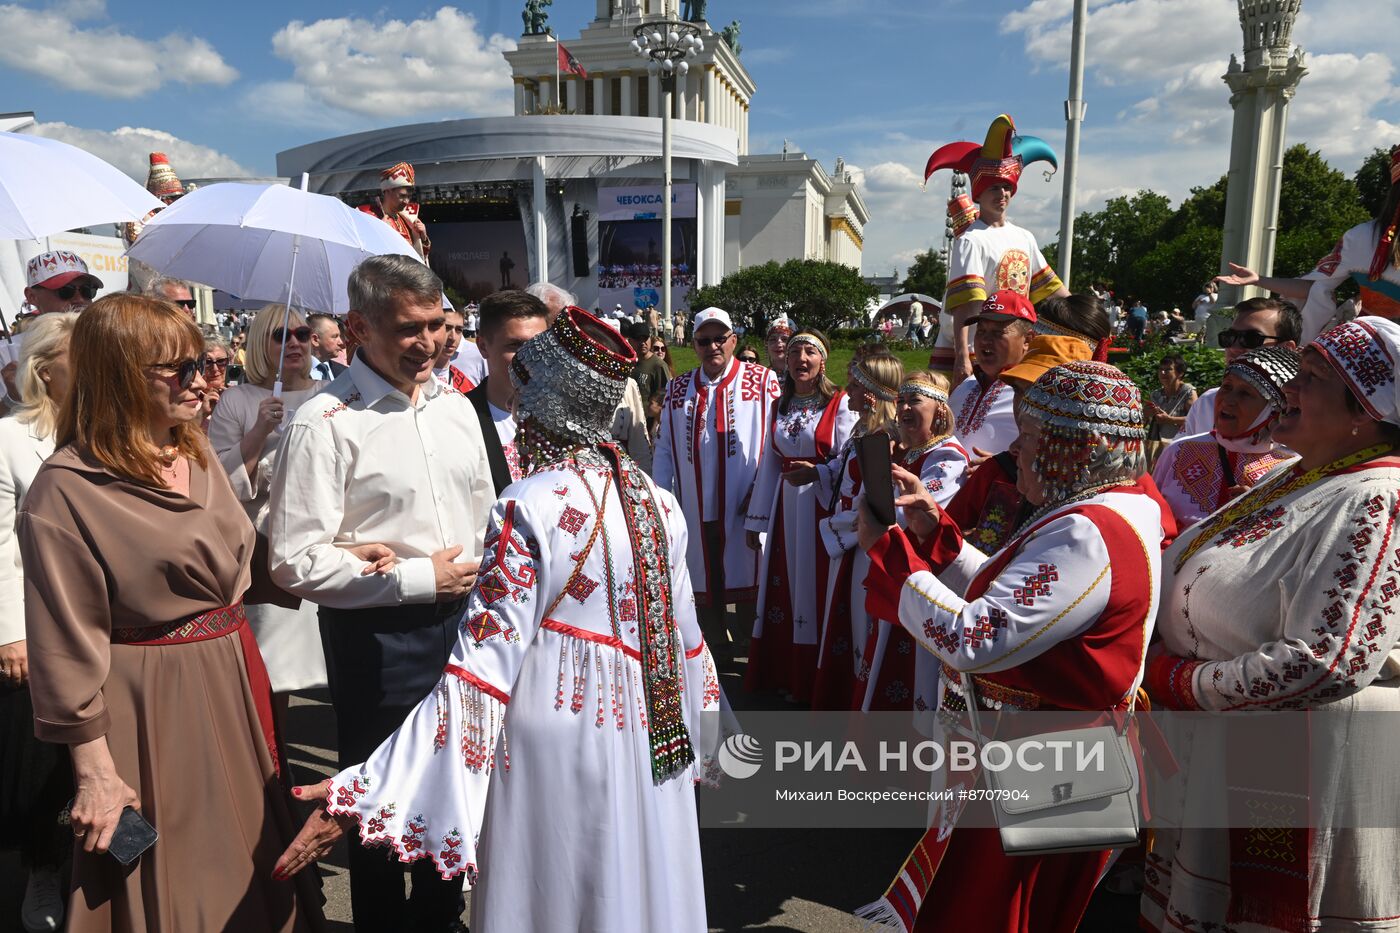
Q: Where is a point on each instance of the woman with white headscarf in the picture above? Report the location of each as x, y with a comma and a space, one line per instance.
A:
1200, 473
1286, 599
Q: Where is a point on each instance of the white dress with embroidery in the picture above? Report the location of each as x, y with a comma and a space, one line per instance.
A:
983, 417
529, 766
1293, 607
792, 584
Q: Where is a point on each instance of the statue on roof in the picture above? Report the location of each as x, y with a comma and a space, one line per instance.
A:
695, 11
536, 17
730, 35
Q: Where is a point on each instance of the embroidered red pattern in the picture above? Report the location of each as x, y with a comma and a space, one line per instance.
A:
572, 520
975, 408
1036, 585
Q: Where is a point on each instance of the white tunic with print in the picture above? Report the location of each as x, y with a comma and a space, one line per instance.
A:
529, 764
983, 415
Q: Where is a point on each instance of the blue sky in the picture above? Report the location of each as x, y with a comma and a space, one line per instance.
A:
223, 87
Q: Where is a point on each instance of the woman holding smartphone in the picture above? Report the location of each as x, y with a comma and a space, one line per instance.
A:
136, 557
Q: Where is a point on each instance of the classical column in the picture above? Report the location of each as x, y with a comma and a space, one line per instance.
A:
540, 205
628, 104
600, 95
707, 104
744, 129
1260, 91
522, 102
572, 88
653, 95
544, 97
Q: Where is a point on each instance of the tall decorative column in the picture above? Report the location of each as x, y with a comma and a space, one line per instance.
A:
1260, 90
628, 104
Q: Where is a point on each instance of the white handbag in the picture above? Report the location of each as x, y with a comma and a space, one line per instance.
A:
1095, 809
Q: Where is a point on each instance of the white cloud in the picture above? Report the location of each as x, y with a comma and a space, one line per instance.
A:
102, 59
129, 148
394, 68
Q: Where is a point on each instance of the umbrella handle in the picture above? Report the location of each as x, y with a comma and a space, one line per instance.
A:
287, 311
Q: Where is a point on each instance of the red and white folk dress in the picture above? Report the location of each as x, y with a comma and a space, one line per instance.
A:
793, 570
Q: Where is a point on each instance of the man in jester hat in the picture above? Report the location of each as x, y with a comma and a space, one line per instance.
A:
990, 254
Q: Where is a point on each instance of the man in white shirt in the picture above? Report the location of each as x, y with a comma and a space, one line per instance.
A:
1205, 302
712, 437
385, 455
508, 319
1259, 322
984, 419
443, 367
326, 346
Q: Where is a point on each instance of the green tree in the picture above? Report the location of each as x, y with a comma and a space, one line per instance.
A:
928, 275
1373, 181
828, 292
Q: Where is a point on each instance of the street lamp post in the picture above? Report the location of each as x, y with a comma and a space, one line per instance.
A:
668, 47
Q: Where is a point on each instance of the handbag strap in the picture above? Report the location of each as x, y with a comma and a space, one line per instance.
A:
970, 697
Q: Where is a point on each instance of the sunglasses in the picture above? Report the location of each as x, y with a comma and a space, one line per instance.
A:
299, 334
704, 342
187, 303
212, 363
66, 292
185, 369
1249, 339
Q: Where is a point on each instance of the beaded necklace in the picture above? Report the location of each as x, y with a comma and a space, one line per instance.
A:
914, 453
1048, 507
1268, 493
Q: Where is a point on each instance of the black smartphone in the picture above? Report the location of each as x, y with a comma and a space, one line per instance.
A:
133, 836
873, 451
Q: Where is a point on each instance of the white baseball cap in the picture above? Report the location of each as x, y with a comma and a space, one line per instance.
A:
712, 316
56, 269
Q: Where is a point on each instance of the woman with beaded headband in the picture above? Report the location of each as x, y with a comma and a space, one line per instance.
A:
574, 695
927, 450
1059, 619
809, 423
842, 665
1199, 474
1285, 599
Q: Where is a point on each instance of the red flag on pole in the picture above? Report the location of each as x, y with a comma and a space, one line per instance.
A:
568, 63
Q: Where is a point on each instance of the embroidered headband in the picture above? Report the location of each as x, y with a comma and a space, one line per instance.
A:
571, 376
1088, 396
1364, 352
1266, 370
867, 381
924, 389
811, 340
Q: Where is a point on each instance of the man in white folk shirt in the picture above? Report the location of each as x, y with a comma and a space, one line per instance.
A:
712, 435
387, 455
984, 420
507, 319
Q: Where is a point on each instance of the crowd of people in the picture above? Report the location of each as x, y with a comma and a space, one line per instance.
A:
519, 565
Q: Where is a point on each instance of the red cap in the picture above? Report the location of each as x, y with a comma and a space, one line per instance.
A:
1006, 305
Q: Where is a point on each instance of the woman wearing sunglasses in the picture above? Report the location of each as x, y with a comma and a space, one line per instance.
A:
136, 557
245, 432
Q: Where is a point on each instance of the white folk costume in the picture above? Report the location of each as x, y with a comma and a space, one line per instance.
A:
1197, 474
793, 569
554, 762
1058, 619
713, 435
1286, 600
988, 259
1363, 255
983, 415
405, 222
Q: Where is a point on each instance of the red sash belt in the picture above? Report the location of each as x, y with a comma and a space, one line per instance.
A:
217, 623
612, 641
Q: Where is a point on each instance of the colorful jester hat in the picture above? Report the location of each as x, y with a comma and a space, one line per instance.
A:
1000, 158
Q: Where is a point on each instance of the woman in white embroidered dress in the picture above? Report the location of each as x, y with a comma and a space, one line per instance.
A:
1200, 473
554, 761
1285, 600
926, 450
245, 432
810, 422
1058, 619
871, 391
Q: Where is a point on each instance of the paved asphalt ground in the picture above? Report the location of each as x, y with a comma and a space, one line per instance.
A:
777, 881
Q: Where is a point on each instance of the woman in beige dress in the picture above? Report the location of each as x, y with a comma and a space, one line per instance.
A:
136, 557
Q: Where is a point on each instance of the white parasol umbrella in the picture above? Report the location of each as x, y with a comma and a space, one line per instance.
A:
266, 243
48, 187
